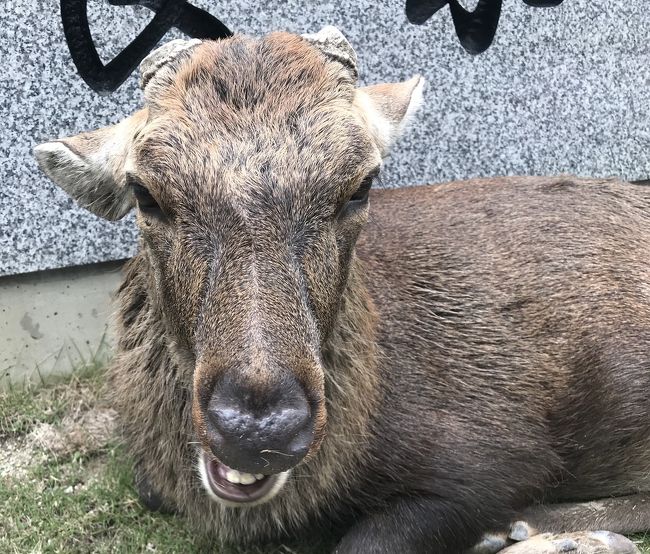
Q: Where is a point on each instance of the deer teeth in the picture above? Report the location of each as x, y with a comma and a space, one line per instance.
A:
247, 478
241, 478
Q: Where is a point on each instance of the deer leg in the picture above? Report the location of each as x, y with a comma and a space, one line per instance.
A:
585, 528
148, 496
586, 542
623, 514
414, 525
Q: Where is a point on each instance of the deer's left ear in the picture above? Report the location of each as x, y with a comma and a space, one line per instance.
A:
387, 108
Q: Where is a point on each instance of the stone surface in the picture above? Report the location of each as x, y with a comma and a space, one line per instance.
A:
561, 90
53, 322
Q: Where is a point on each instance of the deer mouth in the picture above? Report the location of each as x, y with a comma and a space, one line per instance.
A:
234, 488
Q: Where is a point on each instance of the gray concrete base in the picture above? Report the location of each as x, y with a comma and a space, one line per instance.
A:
55, 321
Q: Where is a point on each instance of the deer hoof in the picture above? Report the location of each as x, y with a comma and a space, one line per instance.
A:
521, 531
490, 544
596, 542
617, 543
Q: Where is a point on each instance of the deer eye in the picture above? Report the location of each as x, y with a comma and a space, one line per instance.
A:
146, 203
360, 196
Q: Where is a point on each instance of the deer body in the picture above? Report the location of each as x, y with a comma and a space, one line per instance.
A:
416, 374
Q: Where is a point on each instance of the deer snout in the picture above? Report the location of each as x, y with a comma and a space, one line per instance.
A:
259, 432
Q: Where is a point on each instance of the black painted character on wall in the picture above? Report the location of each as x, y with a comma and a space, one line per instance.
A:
104, 79
475, 29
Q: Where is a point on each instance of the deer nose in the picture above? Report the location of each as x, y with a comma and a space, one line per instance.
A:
259, 432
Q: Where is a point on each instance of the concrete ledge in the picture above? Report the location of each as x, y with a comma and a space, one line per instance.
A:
55, 321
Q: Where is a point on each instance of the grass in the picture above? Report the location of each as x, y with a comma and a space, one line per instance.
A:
25, 406
69, 514
75, 497
643, 542
66, 485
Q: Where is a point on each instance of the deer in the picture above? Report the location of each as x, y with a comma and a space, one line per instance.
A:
445, 368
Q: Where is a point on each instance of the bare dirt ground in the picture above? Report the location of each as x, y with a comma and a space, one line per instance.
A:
86, 433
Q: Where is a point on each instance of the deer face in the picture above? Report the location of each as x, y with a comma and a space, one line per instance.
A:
249, 168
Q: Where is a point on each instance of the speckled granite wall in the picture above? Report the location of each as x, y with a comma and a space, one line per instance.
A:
565, 89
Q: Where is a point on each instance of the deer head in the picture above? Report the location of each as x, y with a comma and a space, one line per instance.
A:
250, 168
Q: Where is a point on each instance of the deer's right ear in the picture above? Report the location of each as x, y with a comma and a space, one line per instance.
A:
90, 166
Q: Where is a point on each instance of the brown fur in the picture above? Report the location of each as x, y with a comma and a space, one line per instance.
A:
483, 347
513, 360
